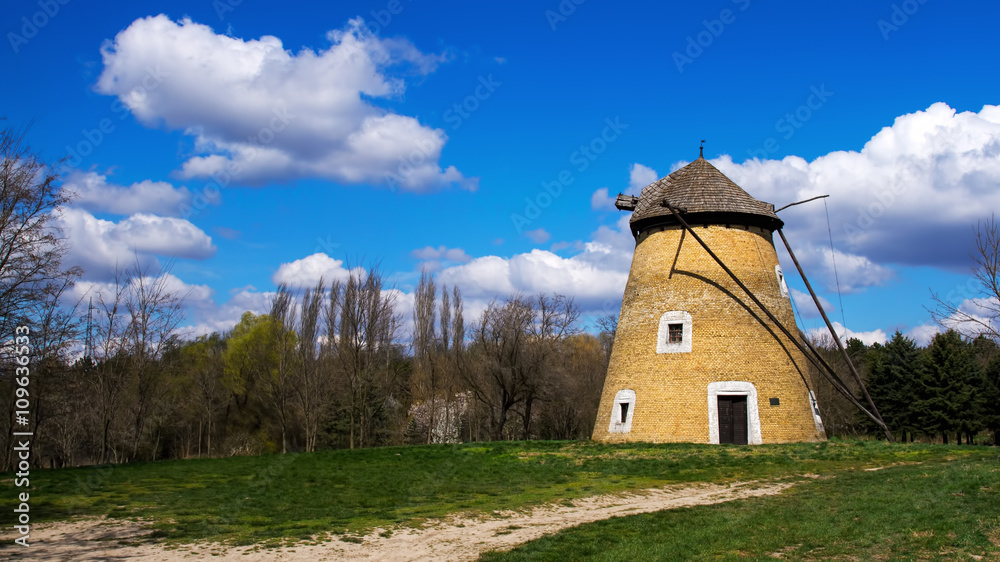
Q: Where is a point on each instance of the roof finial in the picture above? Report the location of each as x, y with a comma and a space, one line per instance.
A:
701, 149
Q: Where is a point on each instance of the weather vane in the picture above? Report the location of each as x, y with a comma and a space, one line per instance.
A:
701, 149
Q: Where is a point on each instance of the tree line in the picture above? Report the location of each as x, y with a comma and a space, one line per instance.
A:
112, 380
948, 391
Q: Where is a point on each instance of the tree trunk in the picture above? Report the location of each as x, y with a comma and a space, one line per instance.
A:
526, 430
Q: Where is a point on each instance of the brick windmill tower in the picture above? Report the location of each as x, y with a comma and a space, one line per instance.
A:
706, 348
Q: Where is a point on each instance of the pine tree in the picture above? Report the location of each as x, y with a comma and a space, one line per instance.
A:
893, 373
989, 391
943, 403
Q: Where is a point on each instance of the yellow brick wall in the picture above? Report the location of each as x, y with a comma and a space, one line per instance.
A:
728, 342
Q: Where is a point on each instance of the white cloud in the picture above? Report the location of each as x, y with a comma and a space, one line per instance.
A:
260, 113
456, 255
639, 177
908, 197
538, 236
99, 246
433, 259
923, 334
208, 317
807, 307
91, 191
307, 272
601, 201
853, 273
595, 277
868, 338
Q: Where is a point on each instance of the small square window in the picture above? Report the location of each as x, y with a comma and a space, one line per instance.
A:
675, 333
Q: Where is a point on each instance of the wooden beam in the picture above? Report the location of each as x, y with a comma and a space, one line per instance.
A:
836, 338
842, 388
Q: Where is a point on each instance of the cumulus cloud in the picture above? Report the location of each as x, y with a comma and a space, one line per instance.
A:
868, 338
639, 177
99, 246
974, 316
601, 201
923, 334
307, 272
807, 307
192, 294
908, 196
260, 113
594, 277
91, 191
433, 259
206, 316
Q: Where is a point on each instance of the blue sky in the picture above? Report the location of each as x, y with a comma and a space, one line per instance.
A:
249, 144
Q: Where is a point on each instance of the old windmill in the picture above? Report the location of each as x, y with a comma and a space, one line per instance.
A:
707, 349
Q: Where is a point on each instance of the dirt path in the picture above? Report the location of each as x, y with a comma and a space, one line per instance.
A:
450, 539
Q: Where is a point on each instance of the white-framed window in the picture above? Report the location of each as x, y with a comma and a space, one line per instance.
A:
733, 388
781, 280
623, 408
674, 334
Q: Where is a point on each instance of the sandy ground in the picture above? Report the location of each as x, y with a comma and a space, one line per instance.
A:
450, 539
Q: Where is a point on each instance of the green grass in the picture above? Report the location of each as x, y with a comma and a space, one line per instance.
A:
287, 498
936, 510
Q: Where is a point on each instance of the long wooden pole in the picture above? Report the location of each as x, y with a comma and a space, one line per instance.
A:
836, 338
677, 213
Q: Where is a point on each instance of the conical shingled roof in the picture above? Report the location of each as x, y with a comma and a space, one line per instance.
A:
708, 196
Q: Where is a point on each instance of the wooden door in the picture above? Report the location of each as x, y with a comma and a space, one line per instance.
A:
733, 420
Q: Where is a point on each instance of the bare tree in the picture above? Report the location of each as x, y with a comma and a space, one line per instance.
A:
278, 382
31, 246
312, 388
153, 312
458, 321
364, 317
556, 320
609, 327
110, 370
976, 312
500, 373
424, 383
137, 319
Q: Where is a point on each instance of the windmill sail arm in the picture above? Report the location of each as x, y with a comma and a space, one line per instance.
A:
626, 202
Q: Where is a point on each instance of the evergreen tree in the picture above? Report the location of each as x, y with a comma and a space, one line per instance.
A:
943, 403
989, 392
893, 373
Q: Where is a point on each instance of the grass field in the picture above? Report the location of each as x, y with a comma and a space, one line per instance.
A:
949, 501
935, 510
